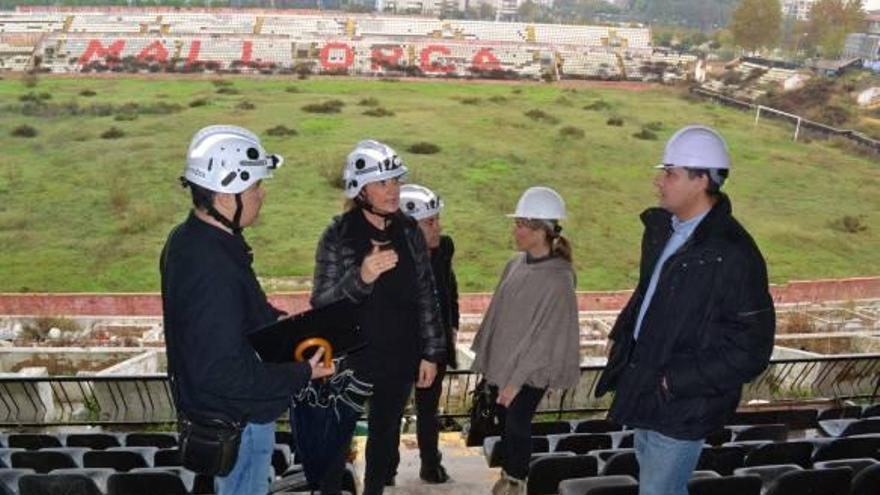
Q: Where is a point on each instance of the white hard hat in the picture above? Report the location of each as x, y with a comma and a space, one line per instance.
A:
696, 146
419, 202
228, 159
370, 161
540, 203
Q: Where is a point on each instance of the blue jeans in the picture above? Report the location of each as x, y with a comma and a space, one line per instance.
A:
665, 464
253, 468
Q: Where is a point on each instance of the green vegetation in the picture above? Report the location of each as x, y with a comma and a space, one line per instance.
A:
81, 213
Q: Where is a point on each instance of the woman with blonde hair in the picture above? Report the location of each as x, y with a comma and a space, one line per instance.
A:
529, 339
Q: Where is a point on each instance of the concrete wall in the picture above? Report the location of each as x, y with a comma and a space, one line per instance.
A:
130, 305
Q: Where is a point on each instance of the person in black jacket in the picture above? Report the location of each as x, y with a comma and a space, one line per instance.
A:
700, 323
376, 256
424, 206
211, 300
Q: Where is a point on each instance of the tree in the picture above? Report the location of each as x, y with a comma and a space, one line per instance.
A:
829, 23
756, 24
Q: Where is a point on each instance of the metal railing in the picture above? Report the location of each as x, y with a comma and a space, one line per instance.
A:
146, 399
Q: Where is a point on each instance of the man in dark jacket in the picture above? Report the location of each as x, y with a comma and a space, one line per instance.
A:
211, 300
700, 324
423, 205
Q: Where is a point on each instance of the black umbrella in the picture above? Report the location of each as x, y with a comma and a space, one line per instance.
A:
323, 417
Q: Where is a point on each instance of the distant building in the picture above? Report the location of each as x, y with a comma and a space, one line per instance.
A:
865, 46
798, 9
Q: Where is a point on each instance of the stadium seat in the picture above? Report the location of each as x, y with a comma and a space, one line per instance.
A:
719, 437
621, 439
185, 475
849, 427
839, 413
582, 443
848, 448
812, 481
772, 433
700, 474
723, 460
6, 456
284, 437
872, 411
597, 426
57, 484
727, 485
799, 453
9, 479
167, 457
42, 462
98, 475
158, 440
32, 441
767, 473
544, 428
281, 458
493, 452
601, 485
857, 465
546, 473
150, 483
118, 460
624, 463
94, 441
866, 481
605, 454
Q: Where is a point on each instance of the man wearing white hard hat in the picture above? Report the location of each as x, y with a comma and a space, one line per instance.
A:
227, 399
529, 338
700, 323
424, 206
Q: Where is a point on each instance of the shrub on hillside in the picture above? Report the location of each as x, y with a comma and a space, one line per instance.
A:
423, 148
571, 132
330, 106
24, 131
379, 112
281, 131
541, 116
112, 133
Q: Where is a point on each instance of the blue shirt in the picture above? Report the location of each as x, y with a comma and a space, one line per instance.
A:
681, 231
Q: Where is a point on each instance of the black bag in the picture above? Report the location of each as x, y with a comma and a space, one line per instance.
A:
208, 446
484, 415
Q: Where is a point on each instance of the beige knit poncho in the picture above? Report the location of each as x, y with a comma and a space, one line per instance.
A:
530, 332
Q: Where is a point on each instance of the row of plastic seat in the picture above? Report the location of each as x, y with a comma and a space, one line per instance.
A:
36, 441
833, 481
547, 472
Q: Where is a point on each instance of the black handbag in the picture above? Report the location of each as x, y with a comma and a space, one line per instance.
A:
484, 417
208, 446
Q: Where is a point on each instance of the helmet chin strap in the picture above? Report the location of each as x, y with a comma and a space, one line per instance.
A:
362, 202
235, 223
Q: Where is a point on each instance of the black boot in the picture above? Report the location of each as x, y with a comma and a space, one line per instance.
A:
433, 474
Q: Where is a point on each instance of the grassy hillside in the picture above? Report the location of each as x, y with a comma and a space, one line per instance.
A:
79, 212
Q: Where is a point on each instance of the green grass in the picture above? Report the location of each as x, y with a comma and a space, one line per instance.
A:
81, 213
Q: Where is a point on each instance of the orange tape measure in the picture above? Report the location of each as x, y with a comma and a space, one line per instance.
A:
315, 342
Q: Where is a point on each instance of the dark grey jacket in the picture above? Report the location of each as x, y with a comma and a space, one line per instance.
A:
337, 277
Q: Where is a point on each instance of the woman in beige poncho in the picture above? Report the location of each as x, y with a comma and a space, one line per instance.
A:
528, 341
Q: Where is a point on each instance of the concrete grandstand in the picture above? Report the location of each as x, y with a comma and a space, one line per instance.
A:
131, 40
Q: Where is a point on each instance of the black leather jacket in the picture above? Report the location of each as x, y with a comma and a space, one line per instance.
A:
337, 277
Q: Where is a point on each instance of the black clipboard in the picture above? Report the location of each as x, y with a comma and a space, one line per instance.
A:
336, 323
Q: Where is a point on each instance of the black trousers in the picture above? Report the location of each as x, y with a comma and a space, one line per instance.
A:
427, 424
516, 436
390, 395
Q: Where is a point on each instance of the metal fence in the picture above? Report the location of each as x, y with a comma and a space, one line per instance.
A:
146, 399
